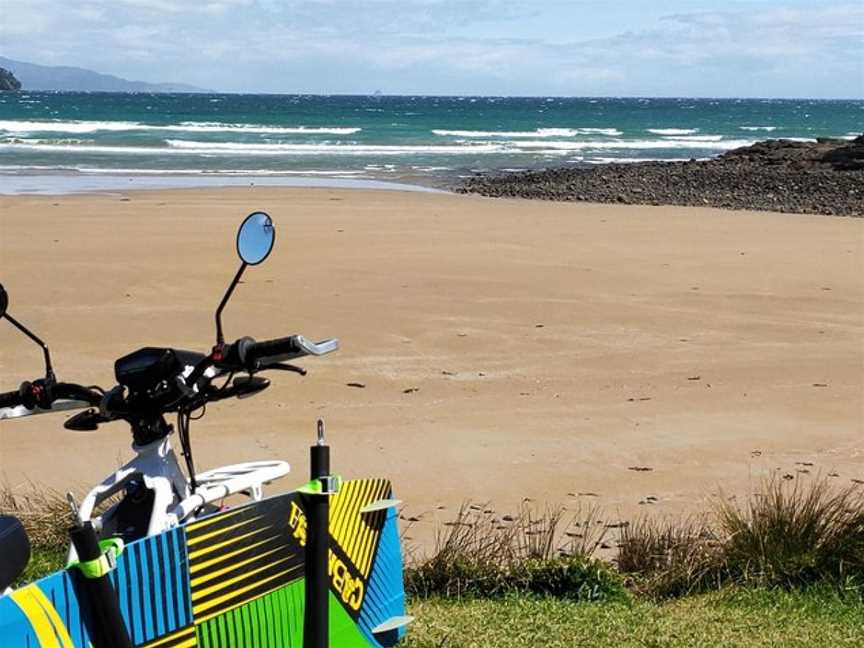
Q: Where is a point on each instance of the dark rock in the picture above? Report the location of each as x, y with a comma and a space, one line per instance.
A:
821, 177
8, 82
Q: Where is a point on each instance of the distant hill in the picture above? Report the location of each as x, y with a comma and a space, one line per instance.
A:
73, 79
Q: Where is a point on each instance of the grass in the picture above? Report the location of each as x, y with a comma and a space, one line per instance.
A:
484, 556
793, 536
788, 536
738, 617
46, 516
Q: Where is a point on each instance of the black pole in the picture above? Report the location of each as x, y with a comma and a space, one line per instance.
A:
316, 631
106, 626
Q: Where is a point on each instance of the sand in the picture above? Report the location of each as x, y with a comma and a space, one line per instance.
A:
509, 349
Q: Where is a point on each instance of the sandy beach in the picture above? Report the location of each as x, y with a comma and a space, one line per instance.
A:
567, 353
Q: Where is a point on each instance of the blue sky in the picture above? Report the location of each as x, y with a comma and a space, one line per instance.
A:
785, 48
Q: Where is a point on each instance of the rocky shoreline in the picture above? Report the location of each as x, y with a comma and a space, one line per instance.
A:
821, 177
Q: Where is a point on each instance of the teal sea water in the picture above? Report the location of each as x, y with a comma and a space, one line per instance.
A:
421, 139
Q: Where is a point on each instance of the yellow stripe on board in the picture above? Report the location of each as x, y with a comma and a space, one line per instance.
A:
369, 538
357, 522
210, 604
233, 566
203, 552
368, 534
219, 517
336, 512
366, 556
50, 630
345, 530
234, 606
199, 594
189, 643
215, 561
212, 534
342, 522
174, 637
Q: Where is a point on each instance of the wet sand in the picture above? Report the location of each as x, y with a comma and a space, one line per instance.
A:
566, 353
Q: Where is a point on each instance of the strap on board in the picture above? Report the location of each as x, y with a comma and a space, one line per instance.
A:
106, 562
329, 485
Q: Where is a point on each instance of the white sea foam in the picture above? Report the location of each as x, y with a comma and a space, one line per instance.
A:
694, 138
540, 132
23, 126
635, 144
171, 172
758, 128
16, 126
673, 131
218, 127
612, 132
234, 149
212, 149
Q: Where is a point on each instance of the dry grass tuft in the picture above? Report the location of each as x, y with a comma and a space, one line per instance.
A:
482, 555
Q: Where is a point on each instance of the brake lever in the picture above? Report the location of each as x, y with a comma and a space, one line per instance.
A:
284, 366
86, 421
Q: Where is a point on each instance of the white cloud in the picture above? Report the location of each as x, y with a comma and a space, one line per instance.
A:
443, 46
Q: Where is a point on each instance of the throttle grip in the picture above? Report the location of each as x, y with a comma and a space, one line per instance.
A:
10, 399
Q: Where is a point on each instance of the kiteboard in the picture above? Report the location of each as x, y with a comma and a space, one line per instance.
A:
235, 579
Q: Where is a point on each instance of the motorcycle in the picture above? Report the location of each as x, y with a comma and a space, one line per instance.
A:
166, 563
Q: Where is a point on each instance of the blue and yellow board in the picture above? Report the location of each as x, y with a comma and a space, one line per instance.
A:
234, 579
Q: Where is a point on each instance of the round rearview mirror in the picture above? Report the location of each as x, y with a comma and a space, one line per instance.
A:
4, 300
255, 238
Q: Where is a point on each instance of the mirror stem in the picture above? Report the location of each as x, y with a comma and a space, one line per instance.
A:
220, 339
49, 370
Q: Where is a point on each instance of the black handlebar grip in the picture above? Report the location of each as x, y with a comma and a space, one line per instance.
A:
286, 346
76, 392
10, 399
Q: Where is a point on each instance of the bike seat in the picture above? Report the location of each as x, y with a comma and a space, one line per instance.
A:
14, 550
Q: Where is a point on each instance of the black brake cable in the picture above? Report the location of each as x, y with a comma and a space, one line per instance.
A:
183, 419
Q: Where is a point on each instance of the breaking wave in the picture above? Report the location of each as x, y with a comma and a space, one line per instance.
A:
539, 132
18, 126
673, 131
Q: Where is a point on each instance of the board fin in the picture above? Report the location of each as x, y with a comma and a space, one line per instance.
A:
380, 505
393, 623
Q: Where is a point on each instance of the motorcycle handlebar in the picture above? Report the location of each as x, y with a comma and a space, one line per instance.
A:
287, 348
43, 394
76, 392
10, 399
247, 354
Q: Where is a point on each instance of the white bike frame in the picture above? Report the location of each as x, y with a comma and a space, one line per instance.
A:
156, 466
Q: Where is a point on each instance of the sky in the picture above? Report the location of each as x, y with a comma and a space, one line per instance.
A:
698, 48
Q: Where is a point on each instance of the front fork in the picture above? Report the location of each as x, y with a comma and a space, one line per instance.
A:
156, 467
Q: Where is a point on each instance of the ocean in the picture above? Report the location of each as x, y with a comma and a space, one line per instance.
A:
422, 140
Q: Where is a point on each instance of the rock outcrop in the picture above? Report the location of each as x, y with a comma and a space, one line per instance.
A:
821, 177
8, 82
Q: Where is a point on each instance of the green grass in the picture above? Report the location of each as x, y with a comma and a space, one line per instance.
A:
43, 561
739, 617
